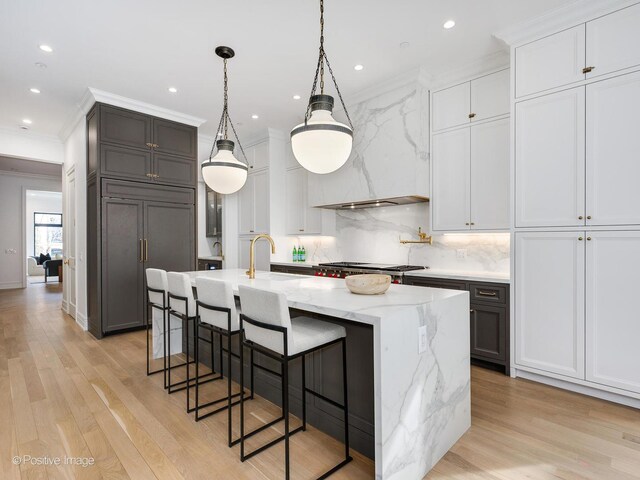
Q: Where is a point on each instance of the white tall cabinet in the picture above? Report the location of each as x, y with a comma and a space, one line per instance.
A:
470, 155
576, 206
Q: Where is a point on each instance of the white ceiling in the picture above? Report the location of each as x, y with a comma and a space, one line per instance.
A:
138, 48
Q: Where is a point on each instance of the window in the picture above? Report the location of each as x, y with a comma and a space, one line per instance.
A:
47, 233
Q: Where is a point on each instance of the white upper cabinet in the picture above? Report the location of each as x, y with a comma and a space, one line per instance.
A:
490, 96
550, 62
549, 302
550, 160
612, 319
490, 176
451, 193
451, 107
290, 159
301, 219
260, 155
253, 204
613, 41
613, 146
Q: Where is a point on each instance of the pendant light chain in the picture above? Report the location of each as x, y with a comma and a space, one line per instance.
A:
225, 119
322, 58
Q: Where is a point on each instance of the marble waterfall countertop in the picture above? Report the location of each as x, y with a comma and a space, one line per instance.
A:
422, 388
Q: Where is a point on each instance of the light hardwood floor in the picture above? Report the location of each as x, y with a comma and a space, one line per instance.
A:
63, 393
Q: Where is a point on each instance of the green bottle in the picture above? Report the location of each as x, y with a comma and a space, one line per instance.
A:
303, 255
295, 254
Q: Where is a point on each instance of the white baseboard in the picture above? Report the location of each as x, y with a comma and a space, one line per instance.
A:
8, 285
65, 306
82, 321
583, 389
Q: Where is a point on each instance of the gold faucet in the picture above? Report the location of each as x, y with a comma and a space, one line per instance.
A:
423, 238
252, 257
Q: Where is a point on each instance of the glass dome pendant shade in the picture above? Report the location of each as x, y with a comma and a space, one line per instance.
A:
321, 144
223, 172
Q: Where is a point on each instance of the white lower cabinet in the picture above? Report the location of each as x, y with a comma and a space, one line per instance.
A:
575, 305
612, 315
549, 302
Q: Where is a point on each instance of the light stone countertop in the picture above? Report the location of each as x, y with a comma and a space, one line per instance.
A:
494, 277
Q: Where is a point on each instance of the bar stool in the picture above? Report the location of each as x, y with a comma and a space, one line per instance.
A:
157, 300
181, 304
216, 312
268, 328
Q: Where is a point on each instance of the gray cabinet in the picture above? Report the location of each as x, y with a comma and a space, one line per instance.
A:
299, 270
141, 211
488, 318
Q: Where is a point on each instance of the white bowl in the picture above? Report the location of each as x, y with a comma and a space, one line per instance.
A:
368, 284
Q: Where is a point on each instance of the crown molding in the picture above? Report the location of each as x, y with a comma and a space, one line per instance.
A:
574, 13
93, 95
492, 62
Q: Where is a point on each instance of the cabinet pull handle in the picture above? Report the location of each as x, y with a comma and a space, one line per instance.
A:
472, 115
467, 223
472, 223
302, 229
150, 145
155, 145
141, 252
580, 238
146, 250
486, 294
588, 69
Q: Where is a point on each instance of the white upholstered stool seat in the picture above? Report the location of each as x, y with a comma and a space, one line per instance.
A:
310, 333
157, 289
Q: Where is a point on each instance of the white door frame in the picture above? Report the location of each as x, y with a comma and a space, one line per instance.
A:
69, 261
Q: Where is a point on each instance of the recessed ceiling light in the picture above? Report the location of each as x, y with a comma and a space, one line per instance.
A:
34, 90
173, 90
23, 127
27, 121
404, 45
255, 117
46, 48
449, 24
296, 97
358, 67
40, 65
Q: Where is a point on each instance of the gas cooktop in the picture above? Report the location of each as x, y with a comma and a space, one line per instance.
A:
372, 266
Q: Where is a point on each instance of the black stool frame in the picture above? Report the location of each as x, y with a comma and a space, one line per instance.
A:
189, 382
150, 306
284, 376
228, 334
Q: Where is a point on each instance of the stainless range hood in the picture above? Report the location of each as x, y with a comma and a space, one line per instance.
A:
383, 202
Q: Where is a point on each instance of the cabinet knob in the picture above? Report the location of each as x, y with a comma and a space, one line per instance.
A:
580, 238
588, 217
472, 223
150, 145
588, 69
467, 223
580, 217
302, 229
589, 238
472, 115
150, 175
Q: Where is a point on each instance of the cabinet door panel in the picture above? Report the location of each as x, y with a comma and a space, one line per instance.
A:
262, 252
490, 176
296, 203
261, 202
549, 160
488, 331
174, 170
613, 321
612, 41
450, 201
261, 155
123, 162
549, 302
124, 127
175, 138
245, 206
170, 235
451, 107
122, 269
550, 62
613, 143
490, 95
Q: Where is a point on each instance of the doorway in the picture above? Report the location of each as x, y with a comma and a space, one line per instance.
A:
43, 236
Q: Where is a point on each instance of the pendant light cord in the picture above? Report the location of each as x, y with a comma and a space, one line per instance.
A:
322, 58
225, 119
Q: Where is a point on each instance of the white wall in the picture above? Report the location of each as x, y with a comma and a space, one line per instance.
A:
13, 224
26, 144
75, 159
40, 201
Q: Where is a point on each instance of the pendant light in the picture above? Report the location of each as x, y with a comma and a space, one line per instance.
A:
321, 144
223, 173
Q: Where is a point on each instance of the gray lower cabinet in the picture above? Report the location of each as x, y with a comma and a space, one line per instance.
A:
299, 270
488, 318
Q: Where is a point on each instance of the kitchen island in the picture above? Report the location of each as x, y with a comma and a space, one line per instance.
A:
421, 389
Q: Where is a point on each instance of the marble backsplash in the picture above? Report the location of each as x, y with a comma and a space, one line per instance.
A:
373, 235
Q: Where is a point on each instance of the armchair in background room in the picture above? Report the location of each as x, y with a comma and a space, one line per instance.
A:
51, 268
